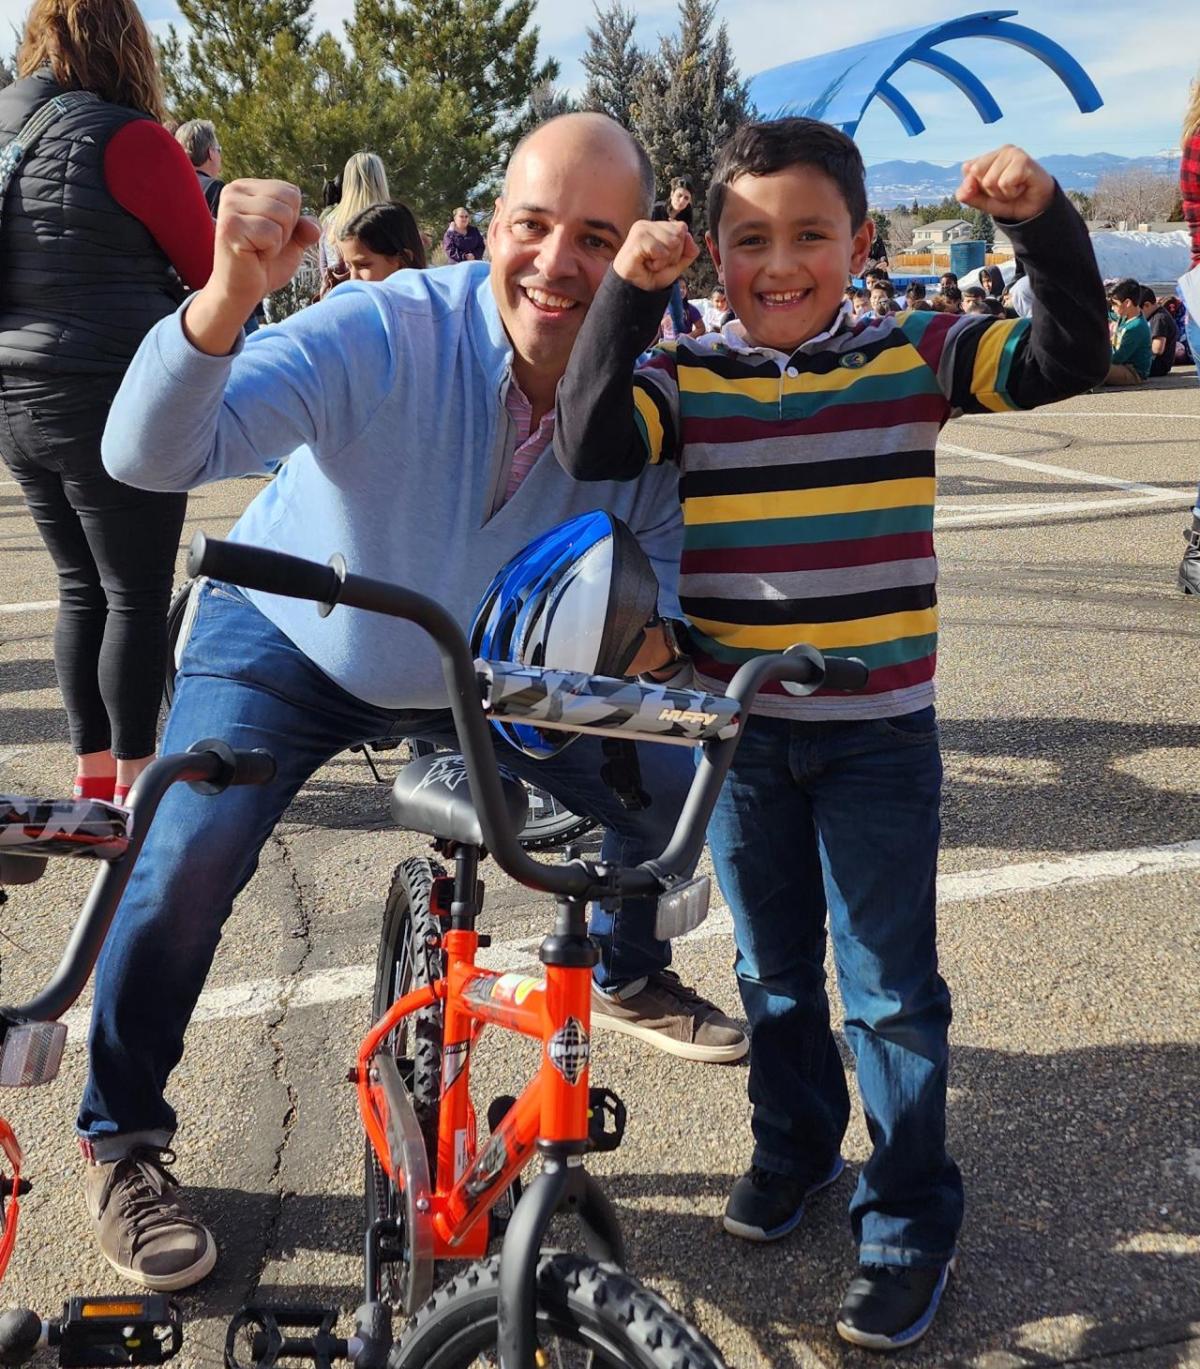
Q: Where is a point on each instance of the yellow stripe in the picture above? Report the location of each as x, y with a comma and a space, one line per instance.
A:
654, 429
742, 508
987, 366
895, 361
888, 627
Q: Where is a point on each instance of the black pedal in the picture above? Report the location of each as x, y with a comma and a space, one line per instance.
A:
265, 1333
605, 1108
124, 1330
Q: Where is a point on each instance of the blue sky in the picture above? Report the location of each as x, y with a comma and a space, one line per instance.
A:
1140, 55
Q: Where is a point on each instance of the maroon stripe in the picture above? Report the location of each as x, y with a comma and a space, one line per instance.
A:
881, 681
933, 340
929, 409
865, 551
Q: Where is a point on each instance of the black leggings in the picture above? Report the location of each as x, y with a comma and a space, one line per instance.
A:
114, 549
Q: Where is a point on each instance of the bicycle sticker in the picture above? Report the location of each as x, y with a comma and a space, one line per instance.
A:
514, 988
454, 1060
461, 1153
569, 1050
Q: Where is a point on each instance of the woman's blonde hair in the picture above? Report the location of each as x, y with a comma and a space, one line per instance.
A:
98, 45
364, 183
1191, 118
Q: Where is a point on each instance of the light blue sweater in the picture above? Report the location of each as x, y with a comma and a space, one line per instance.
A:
388, 401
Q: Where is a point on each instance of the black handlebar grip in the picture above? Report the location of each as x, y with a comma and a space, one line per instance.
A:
272, 572
253, 767
845, 672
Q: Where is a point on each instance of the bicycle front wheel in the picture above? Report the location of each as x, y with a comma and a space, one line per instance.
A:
589, 1316
408, 959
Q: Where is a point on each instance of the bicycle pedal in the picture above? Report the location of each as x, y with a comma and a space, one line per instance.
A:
604, 1107
31, 1054
120, 1330
266, 1333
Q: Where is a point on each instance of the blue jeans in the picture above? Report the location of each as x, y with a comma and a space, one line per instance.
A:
243, 681
839, 820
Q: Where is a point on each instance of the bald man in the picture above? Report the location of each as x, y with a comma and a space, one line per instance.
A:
415, 418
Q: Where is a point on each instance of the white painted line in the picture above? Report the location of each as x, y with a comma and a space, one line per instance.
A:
1086, 413
254, 997
1066, 472
970, 519
37, 606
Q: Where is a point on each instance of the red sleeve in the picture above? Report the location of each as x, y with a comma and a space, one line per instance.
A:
150, 176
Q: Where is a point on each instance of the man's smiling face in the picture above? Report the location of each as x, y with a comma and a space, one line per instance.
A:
572, 193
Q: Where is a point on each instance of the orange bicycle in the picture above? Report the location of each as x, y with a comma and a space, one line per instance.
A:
432, 1184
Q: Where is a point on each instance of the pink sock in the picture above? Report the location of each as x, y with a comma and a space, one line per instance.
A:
95, 787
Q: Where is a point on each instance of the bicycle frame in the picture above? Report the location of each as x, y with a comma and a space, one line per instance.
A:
554, 1108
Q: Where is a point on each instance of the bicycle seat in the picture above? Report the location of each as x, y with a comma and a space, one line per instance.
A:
431, 795
62, 827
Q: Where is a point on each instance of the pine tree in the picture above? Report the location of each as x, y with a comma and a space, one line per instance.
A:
688, 100
482, 49
546, 101
8, 72
613, 64
227, 44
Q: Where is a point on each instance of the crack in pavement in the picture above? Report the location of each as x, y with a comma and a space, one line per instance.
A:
301, 931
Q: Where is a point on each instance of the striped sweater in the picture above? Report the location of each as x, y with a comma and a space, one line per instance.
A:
808, 482
1189, 189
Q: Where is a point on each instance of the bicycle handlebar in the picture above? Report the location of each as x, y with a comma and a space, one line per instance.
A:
209, 766
273, 572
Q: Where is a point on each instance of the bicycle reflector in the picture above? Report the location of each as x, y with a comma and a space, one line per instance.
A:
683, 908
31, 1054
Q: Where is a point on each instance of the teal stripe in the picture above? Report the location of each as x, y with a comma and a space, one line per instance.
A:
878, 657
915, 324
1007, 353
866, 390
826, 527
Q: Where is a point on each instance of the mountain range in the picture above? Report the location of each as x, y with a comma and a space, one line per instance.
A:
899, 182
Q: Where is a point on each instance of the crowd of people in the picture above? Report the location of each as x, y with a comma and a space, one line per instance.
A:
557, 365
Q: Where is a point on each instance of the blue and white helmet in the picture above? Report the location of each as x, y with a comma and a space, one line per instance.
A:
576, 598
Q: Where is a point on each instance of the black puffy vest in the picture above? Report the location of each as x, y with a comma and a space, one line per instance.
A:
81, 280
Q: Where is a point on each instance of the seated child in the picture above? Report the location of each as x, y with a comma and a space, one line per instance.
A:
805, 445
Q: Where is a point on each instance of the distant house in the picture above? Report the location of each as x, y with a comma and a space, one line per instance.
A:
942, 232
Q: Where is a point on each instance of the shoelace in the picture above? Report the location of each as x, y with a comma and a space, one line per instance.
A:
678, 989
143, 1201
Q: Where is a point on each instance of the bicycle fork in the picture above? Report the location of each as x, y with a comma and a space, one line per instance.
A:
563, 1182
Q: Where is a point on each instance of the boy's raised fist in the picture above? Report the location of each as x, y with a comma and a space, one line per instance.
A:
655, 255
1007, 184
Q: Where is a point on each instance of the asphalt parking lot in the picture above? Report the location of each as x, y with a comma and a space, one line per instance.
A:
1070, 936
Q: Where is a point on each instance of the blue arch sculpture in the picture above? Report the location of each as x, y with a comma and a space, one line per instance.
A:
838, 86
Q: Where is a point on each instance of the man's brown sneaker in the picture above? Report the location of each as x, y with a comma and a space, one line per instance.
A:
144, 1227
665, 1013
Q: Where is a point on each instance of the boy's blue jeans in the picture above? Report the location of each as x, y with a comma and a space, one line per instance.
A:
839, 820
243, 681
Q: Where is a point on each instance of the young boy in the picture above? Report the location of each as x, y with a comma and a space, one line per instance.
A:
805, 445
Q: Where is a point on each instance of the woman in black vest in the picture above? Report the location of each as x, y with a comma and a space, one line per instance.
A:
102, 221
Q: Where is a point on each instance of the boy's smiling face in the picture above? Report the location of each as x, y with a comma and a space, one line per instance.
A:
784, 247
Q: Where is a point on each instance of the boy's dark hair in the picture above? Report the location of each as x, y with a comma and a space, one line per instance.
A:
991, 305
974, 292
952, 294
916, 290
761, 149
862, 294
390, 230
1148, 296
887, 287
879, 272
1126, 290
950, 276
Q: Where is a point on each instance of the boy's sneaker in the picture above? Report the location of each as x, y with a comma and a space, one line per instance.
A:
888, 1306
662, 1011
144, 1228
763, 1205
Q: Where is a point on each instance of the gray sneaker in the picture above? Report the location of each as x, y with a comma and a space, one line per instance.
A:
144, 1227
668, 1015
